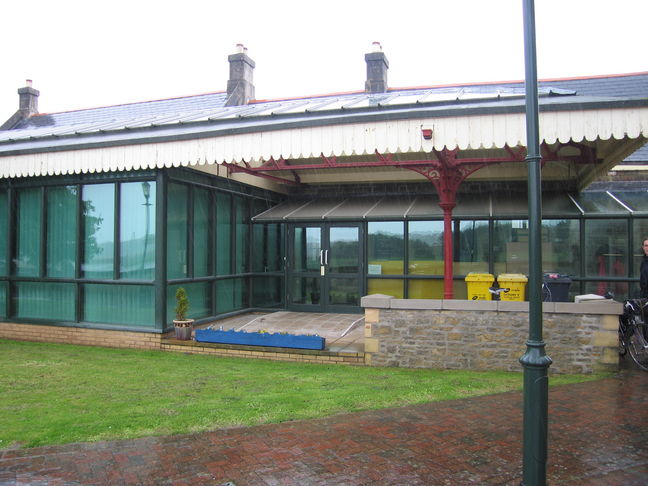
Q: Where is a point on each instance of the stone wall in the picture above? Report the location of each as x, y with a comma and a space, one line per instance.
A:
488, 335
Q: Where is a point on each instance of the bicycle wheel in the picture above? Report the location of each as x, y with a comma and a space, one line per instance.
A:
637, 343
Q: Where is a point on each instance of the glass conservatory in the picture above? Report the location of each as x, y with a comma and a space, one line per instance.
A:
109, 251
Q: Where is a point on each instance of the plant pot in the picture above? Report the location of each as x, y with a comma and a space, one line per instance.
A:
183, 329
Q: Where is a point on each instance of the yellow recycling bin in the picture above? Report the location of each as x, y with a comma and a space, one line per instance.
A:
515, 282
478, 284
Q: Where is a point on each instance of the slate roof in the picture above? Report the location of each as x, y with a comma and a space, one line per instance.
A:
198, 112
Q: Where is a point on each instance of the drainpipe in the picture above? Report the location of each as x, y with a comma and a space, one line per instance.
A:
535, 362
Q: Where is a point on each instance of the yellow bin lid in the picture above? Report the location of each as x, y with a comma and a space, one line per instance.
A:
479, 277
512, 277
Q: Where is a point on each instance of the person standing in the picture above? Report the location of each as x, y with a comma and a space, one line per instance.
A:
643, 271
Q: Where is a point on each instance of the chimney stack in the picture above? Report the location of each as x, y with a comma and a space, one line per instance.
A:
377, 66
240, 89
28, 100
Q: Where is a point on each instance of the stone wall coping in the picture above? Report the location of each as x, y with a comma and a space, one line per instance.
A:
376, 301
380, 301
418, 304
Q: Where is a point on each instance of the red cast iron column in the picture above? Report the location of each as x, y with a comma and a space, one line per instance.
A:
447, 173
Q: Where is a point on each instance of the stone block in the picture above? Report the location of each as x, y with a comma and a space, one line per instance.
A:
376, 301
610, 323
372, 315
368, 329
606, 339
371, 345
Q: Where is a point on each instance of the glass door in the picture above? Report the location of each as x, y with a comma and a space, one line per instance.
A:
325, 267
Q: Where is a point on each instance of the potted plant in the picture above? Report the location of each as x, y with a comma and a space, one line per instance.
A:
183, 326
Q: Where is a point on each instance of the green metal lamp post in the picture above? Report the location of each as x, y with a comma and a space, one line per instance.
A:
535, 362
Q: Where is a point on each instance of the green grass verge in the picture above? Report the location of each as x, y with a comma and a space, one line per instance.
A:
55, 394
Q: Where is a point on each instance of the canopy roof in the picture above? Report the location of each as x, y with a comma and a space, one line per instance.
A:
471, 206
584, 134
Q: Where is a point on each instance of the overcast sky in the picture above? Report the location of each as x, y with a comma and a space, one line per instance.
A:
83, 54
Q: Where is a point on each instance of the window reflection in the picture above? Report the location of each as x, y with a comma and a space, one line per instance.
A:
137, 230
471, 251
61, 231
386, 247
28, 236
3, 233
425, 247
98, 230
606, 243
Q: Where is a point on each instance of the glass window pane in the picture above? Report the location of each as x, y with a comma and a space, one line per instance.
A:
606, 254
199, 295
425, 289
41, 300
344, 253
3, 299
425, 246
511, 246
137, 230
223, 234
561, 246
386, 248
177, 231
307, 248
344, 291
268, 292
61, 231
3, 233
98, 230
28, 233
619, 289
201, 230
259, 241
640, 233
274, 247
128, 305
231, 295
242, 229
306, 290
471, 251
393, 287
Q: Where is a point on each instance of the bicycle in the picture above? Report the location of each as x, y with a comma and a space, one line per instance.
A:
633, 332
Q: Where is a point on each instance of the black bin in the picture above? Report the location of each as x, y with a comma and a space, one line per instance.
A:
555, 287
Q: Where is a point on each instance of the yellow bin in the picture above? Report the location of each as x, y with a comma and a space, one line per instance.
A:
516, 282
478, 284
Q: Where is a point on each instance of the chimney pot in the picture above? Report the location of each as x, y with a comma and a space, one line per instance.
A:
377, 67
240, 89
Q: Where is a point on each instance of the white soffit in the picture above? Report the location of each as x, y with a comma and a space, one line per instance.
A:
392, 136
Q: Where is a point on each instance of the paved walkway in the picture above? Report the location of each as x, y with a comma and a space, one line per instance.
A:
598, 435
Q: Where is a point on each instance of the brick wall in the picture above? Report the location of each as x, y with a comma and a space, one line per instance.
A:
78, 335
480, 335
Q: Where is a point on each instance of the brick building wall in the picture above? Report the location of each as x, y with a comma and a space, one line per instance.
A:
488, 335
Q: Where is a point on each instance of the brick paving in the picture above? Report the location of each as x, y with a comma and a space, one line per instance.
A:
598, 435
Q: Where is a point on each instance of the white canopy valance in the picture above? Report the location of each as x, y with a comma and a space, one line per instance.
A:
348, 139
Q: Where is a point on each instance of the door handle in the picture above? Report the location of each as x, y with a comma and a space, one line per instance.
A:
326, 257
321, 257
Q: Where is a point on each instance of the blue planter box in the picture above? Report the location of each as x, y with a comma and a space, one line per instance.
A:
260, 339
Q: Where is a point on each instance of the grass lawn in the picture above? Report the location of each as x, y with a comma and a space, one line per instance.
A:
55, 394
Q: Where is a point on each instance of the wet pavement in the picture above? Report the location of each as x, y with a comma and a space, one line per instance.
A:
598, 435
